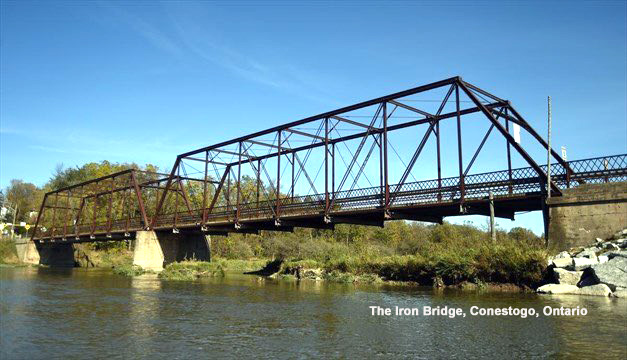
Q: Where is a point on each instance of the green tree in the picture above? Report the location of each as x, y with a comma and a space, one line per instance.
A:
25, 196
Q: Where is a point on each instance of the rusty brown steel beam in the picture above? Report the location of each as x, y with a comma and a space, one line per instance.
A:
357, 106
348, 121
410, 108
372, 131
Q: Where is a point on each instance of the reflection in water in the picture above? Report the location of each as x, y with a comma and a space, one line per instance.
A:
93, 313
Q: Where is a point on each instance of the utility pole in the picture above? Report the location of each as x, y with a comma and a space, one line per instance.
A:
13, 208
492, 227
545, 204
548, 154
13, 222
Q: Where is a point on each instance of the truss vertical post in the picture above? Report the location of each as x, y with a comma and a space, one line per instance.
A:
509, 155
67, 213
385, 156
110, 205
228, 191
176, 200
93, 216
438, 154
54, 214
278, 176
326, 164
462, 190
293, 185
239, 178
333, 169
128, 209
258, 181
381, 181
204, 188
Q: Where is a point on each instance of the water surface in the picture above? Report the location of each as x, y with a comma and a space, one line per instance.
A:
91, 313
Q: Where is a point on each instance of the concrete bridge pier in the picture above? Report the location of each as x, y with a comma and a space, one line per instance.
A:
153, 250
587, 212
27, 252
51, 254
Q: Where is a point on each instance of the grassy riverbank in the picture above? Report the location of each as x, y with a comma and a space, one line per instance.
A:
441, 264
191, 270
435, 255
446, 255
8, 252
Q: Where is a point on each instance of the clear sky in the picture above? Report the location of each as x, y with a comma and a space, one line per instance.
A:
88, 81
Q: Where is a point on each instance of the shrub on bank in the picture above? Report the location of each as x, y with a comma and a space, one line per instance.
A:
8, 253
484, 262
191, 270
129, 270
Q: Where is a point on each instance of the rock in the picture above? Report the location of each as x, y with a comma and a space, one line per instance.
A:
621, 234
582, 263
620, 293
603, 259
587, 278
611, 246
612, 273
314, 274
590, 253
563, 276
595, 290
562, 255
557, 289
599, 240
619, 253
562, 262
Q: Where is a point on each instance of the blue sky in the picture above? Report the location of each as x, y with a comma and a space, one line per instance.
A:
88, 81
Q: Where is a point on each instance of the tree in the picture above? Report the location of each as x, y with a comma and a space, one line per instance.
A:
25, 196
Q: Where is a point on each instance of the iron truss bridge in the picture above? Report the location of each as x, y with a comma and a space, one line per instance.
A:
318, 172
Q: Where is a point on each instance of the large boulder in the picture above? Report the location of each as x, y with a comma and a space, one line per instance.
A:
590, 253
612, 273
558, 289
595, 290
620, 293
617, 253
587, 278
563, 262
563, 276
582, 263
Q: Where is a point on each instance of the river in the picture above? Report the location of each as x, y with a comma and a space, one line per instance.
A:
91, 313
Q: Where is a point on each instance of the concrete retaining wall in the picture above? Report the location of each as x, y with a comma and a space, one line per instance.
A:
587, 212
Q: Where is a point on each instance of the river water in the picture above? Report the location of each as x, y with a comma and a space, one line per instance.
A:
91, 313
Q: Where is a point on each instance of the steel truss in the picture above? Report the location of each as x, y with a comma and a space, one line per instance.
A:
208, 188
